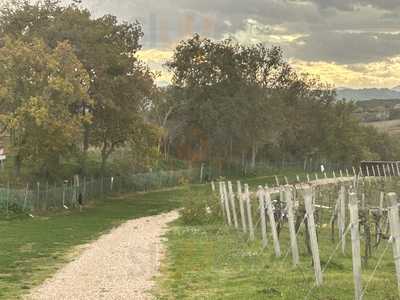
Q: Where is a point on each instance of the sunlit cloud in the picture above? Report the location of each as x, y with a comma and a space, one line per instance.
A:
377, 74
255, 32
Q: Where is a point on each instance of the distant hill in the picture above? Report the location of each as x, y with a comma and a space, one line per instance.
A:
368, 94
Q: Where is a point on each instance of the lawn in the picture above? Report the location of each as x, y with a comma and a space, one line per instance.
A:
212, 261
31, 249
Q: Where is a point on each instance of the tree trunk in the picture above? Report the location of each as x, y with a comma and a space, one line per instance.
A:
17, 165
104, 156
253, 155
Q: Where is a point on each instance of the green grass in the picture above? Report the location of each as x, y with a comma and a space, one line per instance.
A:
215, 262
32, 249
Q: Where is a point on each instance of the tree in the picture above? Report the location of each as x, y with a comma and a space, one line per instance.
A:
41, 94
230, 93
119, 83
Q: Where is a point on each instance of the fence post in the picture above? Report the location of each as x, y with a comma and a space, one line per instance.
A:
226, 201
347, 173
261, 195
355, 245
241, 206
354, 171
277, 181
395, 233
373, 170
271, 218
249, 215
222, 201
397, 167
292, 227
232, 198
213, 186
313, 235
342, 217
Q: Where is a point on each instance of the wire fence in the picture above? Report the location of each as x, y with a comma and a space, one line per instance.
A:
42, 197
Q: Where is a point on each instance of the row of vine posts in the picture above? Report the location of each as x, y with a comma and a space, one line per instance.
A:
302, 202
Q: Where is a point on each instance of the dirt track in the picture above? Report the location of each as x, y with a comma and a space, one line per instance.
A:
119, 265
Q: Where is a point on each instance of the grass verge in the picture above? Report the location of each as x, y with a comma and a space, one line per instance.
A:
215, 262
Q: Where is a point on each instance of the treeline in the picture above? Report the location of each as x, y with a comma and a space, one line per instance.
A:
239, 104
71, 84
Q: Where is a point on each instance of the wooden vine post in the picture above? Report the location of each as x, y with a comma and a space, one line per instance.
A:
271, 218
308, 201
342, 217
226, 201
233, 205
261, 196
249, 214
292, 228
222, 201
355, 245
241, 206
395, 233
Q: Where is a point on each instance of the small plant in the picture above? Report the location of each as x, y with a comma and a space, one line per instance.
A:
200, 208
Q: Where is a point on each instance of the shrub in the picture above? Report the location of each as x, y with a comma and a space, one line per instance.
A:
201, 208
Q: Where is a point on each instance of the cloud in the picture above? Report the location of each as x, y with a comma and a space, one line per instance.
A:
376, 74
355, 4
340, 35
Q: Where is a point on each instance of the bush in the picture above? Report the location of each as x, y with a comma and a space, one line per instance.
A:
201, 208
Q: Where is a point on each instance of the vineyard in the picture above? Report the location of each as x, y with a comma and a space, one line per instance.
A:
347, 216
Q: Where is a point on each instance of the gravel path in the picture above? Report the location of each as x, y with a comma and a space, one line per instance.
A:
119, 265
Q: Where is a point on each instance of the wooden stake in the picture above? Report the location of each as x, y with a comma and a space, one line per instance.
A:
292, 228
354, 171
347, 173
342, 217
379, 170
308, 178
313, 235
373, 171
232, 204
395, 232
213, 186
249, 215
222, 201
286, 180
277, 181
355, 245
261, 195
341, 174
226, 201
241, 206
271, 218
397, 168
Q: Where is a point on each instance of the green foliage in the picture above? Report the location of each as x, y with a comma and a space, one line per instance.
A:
40, 90
200, 208
102, 50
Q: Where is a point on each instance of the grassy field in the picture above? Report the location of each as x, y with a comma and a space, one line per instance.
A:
32, 249
212, 261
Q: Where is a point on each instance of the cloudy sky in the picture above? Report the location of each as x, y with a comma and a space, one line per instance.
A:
352, 43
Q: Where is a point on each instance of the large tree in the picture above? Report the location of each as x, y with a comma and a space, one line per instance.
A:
41, 92
119, 83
